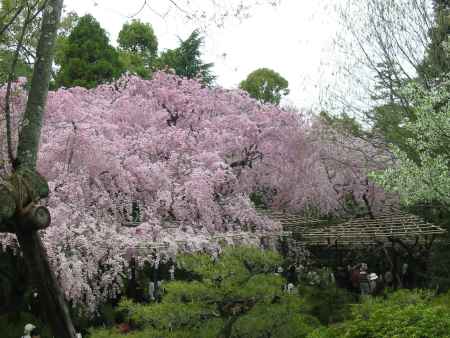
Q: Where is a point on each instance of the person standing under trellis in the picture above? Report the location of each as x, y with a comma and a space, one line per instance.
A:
389, 279
215, 255
364, 284
151, 291
407, 276
153, 274
291, 275
161, 274
342, 278
373, 282
299, 270
171, 269
354, 277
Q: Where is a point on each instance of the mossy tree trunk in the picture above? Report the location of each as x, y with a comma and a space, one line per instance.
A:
19, 194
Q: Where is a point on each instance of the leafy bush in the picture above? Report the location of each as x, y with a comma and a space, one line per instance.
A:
404, 314
285, 319
239, 296
329, 304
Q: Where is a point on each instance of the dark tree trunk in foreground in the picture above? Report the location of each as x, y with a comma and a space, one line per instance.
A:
19, 213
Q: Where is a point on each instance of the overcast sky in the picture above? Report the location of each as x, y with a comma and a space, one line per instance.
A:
295, 38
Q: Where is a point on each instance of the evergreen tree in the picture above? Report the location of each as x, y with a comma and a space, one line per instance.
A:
236, 295
343, 123
66, 26
88, 58
389, 121
186, 60
437, 61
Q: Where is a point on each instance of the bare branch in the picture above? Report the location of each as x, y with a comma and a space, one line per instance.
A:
139, 10
11, 21
11, 78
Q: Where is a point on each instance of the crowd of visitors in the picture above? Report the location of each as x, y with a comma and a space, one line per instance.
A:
357, 279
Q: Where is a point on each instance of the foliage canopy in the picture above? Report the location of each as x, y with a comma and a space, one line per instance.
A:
265, 85
185, 60
88, 59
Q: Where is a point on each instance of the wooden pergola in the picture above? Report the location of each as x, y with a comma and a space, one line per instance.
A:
396, 235
384, 228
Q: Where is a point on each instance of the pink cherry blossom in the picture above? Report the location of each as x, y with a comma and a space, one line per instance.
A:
184, 160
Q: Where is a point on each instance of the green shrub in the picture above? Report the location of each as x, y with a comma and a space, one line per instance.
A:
328, 304
285, 319
404, 314
236, 296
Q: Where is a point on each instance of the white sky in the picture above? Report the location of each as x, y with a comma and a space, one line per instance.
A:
294, 39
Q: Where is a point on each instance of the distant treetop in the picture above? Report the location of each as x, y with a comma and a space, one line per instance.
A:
138, 37
266, 85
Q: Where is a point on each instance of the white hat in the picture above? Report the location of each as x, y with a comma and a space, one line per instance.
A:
28, 328
373, 276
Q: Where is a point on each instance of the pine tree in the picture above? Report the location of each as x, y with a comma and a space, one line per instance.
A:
186, 60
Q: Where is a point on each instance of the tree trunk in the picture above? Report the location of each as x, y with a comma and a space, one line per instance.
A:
50, 294
25, 187
30, 133
228, 327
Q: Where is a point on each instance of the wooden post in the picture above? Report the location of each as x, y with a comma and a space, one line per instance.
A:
133, 280
397, 280
337, 254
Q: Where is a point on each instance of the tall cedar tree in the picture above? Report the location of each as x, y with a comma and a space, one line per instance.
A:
89, 59
437, 62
